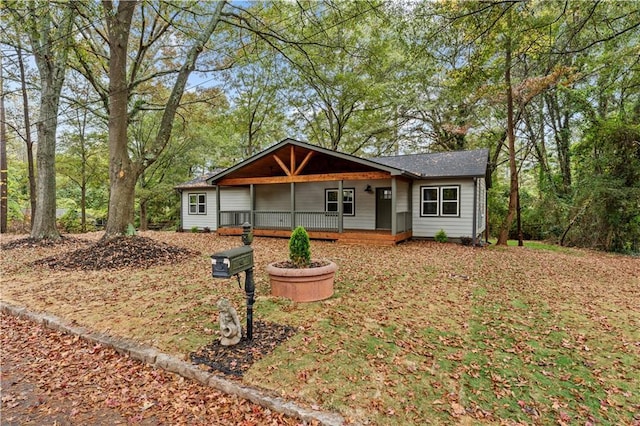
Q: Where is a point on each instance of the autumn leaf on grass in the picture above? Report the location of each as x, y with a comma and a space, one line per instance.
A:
457, 410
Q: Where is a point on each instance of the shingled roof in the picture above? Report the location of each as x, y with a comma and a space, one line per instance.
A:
452, 164
441, 164
200, 181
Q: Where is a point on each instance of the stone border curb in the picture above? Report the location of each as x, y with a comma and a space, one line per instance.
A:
152, 356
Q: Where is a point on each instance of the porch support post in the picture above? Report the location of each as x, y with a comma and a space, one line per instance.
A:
293, 205
217, 206
252, 205
340, 206
394, 207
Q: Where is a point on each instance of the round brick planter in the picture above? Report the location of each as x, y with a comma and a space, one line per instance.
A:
302, 284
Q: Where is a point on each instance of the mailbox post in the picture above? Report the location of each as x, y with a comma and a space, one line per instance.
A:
231, 262
249, 285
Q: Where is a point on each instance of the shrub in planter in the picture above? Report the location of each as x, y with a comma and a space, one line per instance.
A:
302, 279
300, 248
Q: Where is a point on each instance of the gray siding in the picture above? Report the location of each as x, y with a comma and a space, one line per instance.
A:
199, 221
234, 199
455, 227
273, 197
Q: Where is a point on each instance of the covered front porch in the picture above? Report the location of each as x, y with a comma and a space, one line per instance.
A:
319, 226
333, 196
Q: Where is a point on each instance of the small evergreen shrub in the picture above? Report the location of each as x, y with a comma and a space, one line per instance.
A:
299, 248
441, 236
194, 229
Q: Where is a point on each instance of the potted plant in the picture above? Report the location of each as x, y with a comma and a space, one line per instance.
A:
300, 278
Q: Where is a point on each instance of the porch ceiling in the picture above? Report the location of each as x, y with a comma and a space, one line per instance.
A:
299, 163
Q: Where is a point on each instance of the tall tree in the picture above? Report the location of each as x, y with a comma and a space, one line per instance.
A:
258, 110
4, 206
511, 139
28, 140
156, 26
49, 29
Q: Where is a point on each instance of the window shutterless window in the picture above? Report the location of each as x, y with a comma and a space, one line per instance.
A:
440, 200
197, 203
449, 201
430, 201
348, 201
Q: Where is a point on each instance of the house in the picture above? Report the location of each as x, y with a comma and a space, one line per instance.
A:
342, 197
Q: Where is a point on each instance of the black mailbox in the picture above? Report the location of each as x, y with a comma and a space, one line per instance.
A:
231, 262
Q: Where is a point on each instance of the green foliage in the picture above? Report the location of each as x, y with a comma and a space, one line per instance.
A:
441, 236
195, 229
606, 210
131, 230
299, 247
70, 221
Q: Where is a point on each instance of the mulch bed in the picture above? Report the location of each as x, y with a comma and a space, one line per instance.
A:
115, 253
237, 359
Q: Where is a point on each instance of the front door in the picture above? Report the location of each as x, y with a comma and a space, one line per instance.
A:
383, 208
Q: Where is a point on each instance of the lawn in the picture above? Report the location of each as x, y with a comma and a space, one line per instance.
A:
414, 334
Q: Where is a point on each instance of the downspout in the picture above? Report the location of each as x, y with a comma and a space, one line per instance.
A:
217, 207
474, 227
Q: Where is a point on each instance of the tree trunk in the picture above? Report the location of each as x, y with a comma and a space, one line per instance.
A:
83, 203
51, 60
144, 221
122, 173
3, 159
27, 138
513, 191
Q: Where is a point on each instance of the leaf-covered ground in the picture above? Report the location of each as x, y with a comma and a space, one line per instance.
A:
115, 253
51, 378
418, 333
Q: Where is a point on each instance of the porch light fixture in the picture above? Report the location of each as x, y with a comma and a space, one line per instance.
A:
368, 189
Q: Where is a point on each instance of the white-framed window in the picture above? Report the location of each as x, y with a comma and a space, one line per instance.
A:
197, 203
440, 200
348, 201
429, 201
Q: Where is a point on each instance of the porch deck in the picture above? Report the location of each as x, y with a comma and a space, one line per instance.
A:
349, 236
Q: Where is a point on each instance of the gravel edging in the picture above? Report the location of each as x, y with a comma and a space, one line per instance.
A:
152, 356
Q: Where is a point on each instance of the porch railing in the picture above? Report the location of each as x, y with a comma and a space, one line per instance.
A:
233, 218
272, 220
318, 221
313, 221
